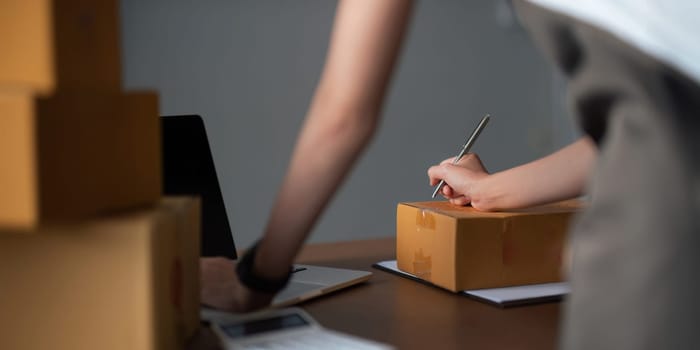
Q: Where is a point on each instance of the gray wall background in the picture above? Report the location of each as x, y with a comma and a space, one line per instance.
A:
250, 67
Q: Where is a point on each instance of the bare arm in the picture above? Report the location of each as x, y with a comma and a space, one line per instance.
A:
342, 118
561, 175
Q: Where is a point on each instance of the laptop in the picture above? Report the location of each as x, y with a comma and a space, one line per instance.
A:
188, 169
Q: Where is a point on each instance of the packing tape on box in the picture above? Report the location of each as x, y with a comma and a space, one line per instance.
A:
422, 263
508, 248
425, 220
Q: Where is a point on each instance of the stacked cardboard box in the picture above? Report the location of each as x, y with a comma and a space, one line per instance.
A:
125, 281
461, 248
83, 147
71, 156
60, 45
26, 62
91, 257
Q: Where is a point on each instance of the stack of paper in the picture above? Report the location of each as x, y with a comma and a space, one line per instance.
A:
504, 297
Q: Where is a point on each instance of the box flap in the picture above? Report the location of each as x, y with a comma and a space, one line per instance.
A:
456, 211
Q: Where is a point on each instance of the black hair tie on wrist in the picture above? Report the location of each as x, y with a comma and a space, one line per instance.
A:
246, 274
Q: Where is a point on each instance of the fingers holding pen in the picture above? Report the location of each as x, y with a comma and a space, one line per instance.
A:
459, 178
461, 201
470, 161
453, 175
438, 173
459, 184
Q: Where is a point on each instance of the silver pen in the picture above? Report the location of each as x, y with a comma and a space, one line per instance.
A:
465, 148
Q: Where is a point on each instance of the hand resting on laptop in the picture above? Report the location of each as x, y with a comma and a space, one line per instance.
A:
221, 288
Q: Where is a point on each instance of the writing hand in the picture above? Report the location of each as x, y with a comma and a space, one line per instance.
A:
460, 179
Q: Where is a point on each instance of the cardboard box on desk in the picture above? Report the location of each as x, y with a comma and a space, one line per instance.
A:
121, 282
73, 156
63, 44
461, 248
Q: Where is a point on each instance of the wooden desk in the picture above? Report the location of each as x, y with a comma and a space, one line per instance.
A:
410, 315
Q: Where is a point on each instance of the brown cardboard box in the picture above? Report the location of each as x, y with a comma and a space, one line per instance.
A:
73, 156
26, 48
116, 282
460, 248
188, 224
18, 166
87, 45
64, 44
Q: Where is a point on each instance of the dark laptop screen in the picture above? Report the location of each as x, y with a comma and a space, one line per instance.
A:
188, 168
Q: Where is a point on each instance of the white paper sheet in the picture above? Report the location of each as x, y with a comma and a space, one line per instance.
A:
505, 296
